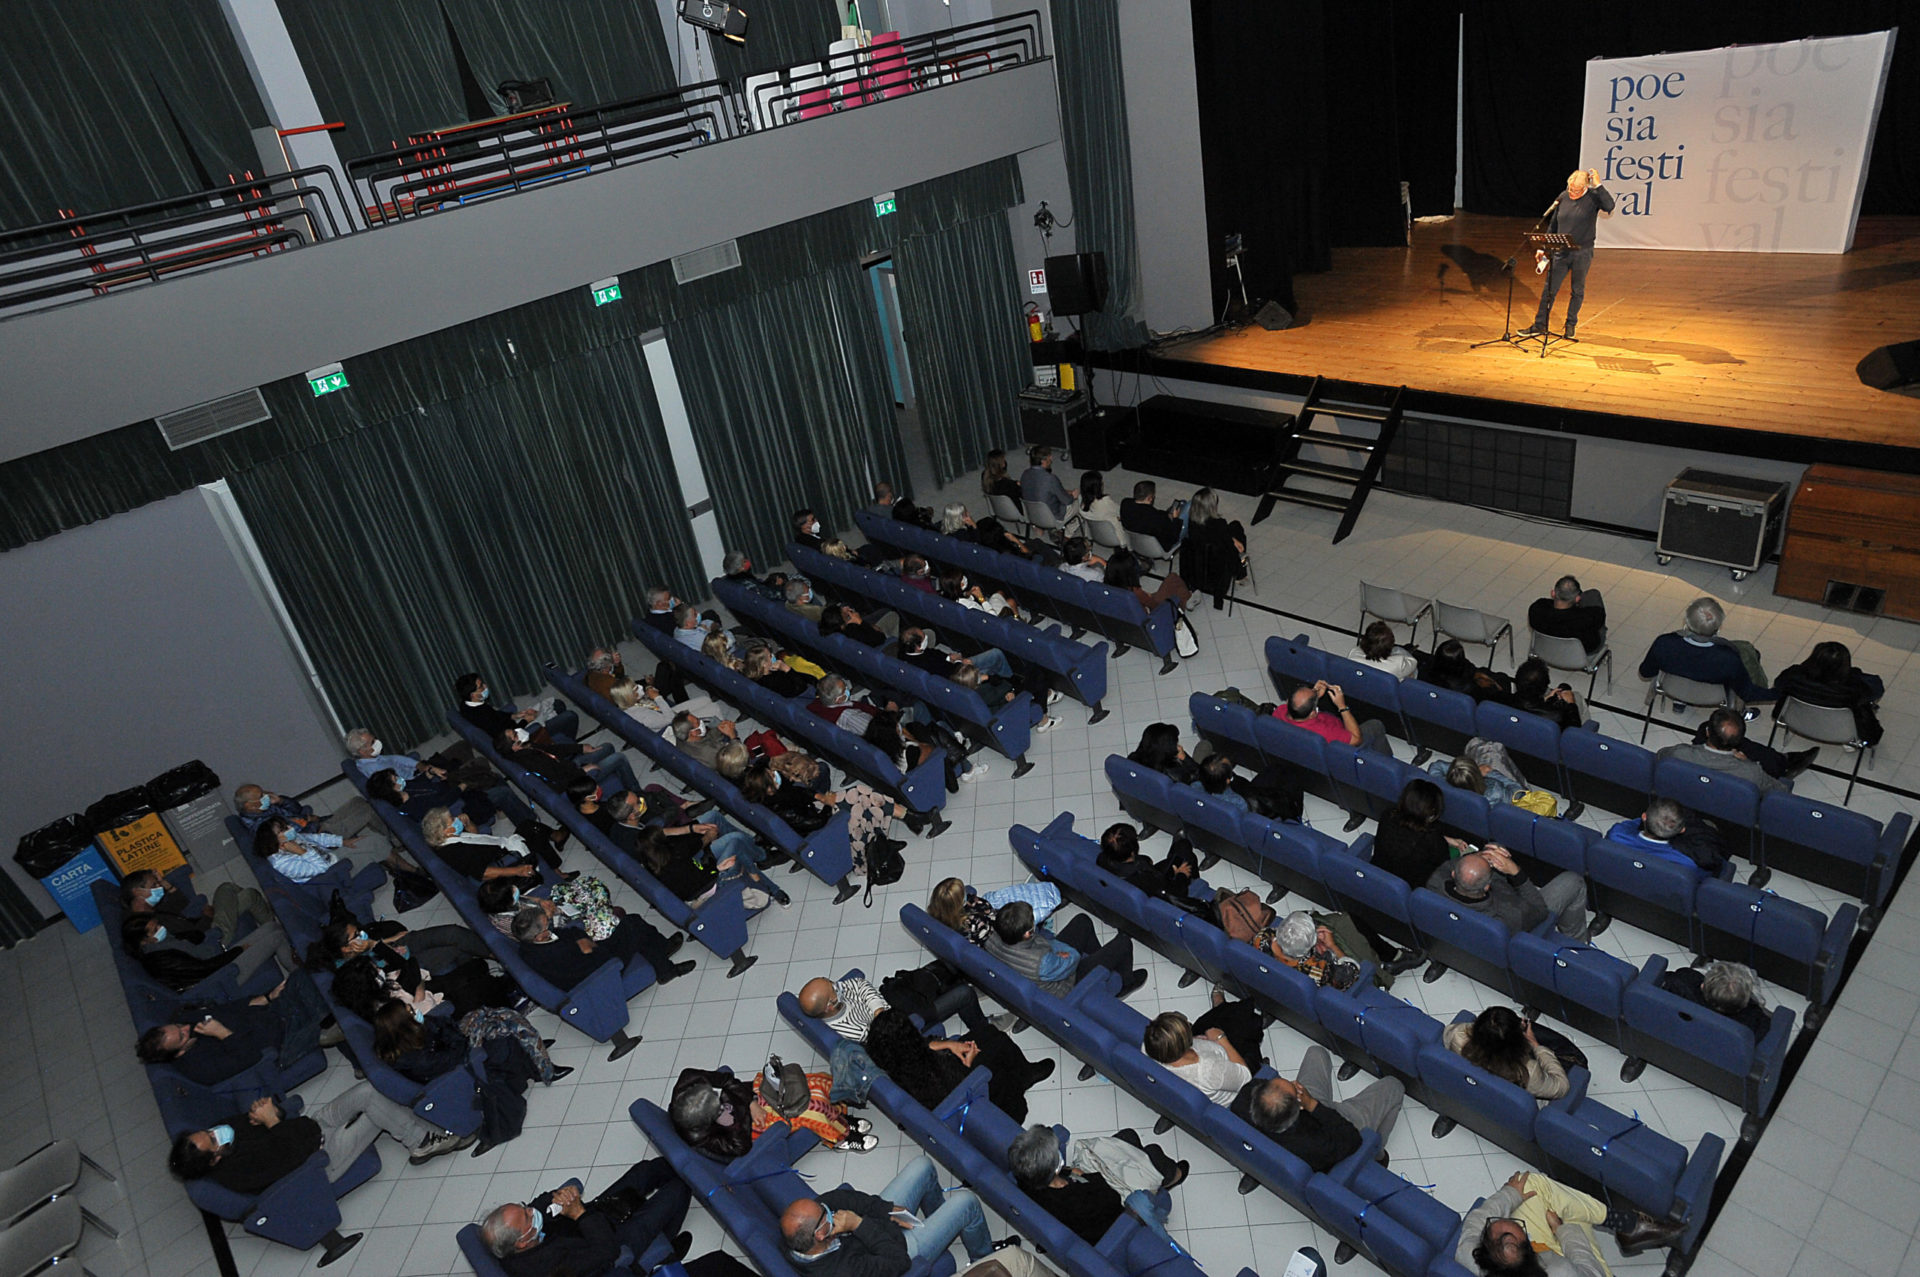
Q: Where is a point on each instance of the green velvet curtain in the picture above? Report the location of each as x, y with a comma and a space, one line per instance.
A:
384, 68
1093, 131
592, 50
105, 103
780, 33
961, 311
495, 532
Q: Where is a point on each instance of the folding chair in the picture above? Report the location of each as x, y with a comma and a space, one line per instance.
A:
1393, 606
1471, 625
1827, 724
1686, 691
1562, 653
1149, 548
1008, 511
46, 1175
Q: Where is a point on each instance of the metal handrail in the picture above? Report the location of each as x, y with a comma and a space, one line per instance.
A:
993, 44
61, 229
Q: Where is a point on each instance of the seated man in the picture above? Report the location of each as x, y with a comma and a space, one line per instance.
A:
690, 629
1080, 560
252, 804
660, 605
448, 777
1090, 1185
1168, 880
887, 507
737, 567
231, 1037
557, 1232
847, 1233
1376, 650
700, 740
604, 668
1039, 483
1535, 1225
849, 1006
919, 648
915, 571
801, 600
564, 956
552, 725
835, 703
1303, 710
181, 959
1722, 746
1488, 881
1142, 516
1666, 830
806, 529
1056, 965
299, 856
843, 620
145, 892
1571, 612
1303, 1117
1696, 651
1727, 987
1000, 691
550, 763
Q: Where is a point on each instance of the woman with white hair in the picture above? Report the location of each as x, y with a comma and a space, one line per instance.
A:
1214, 554
1730, 988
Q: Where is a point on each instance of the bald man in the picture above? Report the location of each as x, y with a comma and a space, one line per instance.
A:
1489, 881
1575, 214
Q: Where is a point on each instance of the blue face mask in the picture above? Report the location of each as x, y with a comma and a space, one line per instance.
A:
458, 826
539, 1220
516, 895
361, 936
156, 894
159, 934
418, 1017
222, 1134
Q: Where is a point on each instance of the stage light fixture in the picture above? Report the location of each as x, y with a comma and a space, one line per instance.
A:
728, 20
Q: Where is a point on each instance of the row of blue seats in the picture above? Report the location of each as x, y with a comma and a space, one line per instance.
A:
827, 852
299, 1210
1359, 1201
1817, 841
1575, 1138
597, 1006
1716, 1053
922, 788
1115, 614
1790, 943
1081, 667
969, 1135
719, 921
1007, 728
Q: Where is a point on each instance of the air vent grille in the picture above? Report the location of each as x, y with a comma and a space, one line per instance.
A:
702, 262
204, 421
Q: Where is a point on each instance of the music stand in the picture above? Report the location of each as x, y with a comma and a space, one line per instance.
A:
1531, 242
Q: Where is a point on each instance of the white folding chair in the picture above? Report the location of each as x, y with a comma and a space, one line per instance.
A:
1149, 548
1562, 653
42, 1240
1008, 511
1686, 691
1393, 606
1830, 725
758, 89
1041, 518
1104, 534
1471, 625
44, 1175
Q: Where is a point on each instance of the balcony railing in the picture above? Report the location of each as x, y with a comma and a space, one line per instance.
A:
80, 256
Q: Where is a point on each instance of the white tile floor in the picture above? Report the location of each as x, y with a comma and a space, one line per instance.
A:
1834, 1186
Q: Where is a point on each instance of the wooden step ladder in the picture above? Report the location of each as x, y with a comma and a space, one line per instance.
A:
1350, 483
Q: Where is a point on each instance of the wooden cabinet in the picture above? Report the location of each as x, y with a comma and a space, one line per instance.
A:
1852, 533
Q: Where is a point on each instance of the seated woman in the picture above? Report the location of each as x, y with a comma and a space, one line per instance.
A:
1450, 667
692, 864
1168, 880
870, 813
652, 710
776, 674
1485, 768
480, 856
929, 1070
721, 1114
959, 908
1218, 1054
1095, 505
1727, 987
1829, 677
363, 988
499, 898
1160, 750
956, 588
1124, 572
1302, 940
1409, 844
994, 479
1533, 691
1214, 554
450, 961
1376, 650
986, 533
1095, 1181
424, 1047
718, 647
1508, 1047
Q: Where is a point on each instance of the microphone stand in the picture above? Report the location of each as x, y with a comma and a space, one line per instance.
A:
1507, 335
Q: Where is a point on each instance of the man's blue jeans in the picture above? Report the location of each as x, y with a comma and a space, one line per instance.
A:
944, 1216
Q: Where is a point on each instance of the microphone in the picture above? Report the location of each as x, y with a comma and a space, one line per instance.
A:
1551, 207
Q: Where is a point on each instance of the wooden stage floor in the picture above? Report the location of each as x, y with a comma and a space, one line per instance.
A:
1750, 341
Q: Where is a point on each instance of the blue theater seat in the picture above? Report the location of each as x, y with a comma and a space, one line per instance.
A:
1834, 847
1576, 984
1788, 943
1612, 774
1710, 1050
1441, 721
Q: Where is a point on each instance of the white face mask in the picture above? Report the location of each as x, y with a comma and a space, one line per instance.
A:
377, 747
521, 734
813, 529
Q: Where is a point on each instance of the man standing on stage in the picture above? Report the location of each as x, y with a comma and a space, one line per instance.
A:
1574, 215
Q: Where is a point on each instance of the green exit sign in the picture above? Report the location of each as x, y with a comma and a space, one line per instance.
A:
605, 290
884, 204
327, 380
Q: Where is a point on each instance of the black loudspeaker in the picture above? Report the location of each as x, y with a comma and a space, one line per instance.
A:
1273, 317
1077, 285
1099, 440
1892, 367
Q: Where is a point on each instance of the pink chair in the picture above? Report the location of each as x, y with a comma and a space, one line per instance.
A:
889, 75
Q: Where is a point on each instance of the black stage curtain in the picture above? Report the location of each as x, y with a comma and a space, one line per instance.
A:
386, 70
106, 103
780, 33
1524, 84
593, 50
1426, 58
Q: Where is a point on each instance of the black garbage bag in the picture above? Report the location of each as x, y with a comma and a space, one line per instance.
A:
53, 845
117, 809
182, 785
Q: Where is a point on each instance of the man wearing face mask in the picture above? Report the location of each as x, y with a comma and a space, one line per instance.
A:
577, 782
558, 1231
802, 601
231, 1037
253, 805
145, 891
738, 568
557, 730
807, 530
703, 741
451, 776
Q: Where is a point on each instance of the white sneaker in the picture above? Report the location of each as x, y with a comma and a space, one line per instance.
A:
1046, 724
977, 774
1053, 697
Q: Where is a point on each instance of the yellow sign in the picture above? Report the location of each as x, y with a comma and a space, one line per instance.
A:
142, 844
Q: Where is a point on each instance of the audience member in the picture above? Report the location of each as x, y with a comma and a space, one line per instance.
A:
847, 1233
253, 1150
774, 673
1039, 483
916, 572
956, 588
1722, 745
931, 993
700, 740
737, 567
182, 959
145, 892
563, 955
806, 529
1094, 1181
1828, 677
557, 1233
1488, 881
1450, 667
1170, 879
1697, 652
988, 533
707, 1112
422, 1048
801, 599
847, 1005
1124, 572
1571, 612
650, 708
1508, 1047
480, 856
1217, 1054
929, 1069
299, 856
1729, 988
1533, 692
252, 805
1056, 965
1535, 1225
1485, 768
1078, 560
690, 629
1302, 1116
1141, 515
1409, 844
456, 774
1376, 650
228, 1038
1214, 554
712, 1110
1306, 942
870, 814
1339, 724
552, 725
1667, 831
661, 600
562, 773
995, 480
448, 962
844, 621
958, 907
1095, 505
1160, 750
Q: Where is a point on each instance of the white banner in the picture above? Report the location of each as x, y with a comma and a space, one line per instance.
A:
1758, 148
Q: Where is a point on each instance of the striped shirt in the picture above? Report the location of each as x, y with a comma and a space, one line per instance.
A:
859, 1003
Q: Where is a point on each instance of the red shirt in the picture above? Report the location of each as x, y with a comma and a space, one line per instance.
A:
1331, 726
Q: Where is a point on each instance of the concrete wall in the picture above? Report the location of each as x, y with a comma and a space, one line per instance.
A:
1169, 196
101, 363
133, 645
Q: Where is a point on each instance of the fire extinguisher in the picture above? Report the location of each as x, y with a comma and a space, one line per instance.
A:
1035, 331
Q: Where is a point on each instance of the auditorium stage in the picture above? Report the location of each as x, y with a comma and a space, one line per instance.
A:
1759, 344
